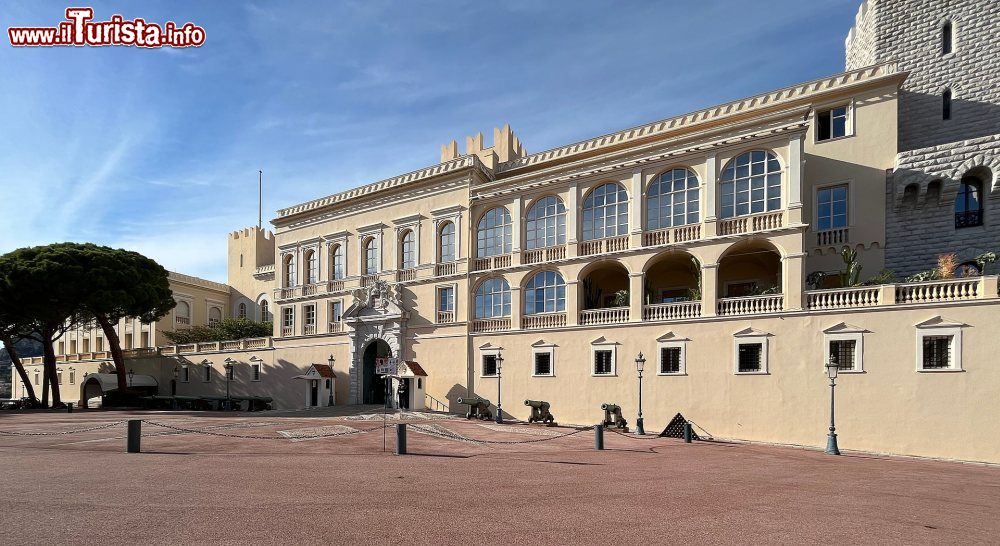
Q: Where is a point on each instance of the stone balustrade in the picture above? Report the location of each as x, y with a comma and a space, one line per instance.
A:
751, 305
671, 311
609, 315
544, 320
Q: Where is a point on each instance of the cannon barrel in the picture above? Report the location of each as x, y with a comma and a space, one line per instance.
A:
609, 407
539, 404
473, 401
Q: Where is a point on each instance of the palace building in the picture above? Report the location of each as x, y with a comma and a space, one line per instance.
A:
711, 242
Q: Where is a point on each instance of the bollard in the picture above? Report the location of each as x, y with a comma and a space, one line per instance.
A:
401, 439
687, 433
134, 433
69, 407
599, 437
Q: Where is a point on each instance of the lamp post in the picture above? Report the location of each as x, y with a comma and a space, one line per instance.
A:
331, 361
499, 418
131, 373
640, 364
832, 368
229, 375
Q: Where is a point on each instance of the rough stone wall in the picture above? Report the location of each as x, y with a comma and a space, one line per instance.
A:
931, 148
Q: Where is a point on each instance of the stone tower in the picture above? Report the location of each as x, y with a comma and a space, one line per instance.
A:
251, 271
943, 195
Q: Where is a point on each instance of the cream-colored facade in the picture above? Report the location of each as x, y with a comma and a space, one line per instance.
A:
688, 240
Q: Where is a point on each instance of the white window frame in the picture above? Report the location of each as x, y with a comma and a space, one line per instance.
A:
216, 305
828, 107
483, 353
256, 371
454, 297
542, 347
751, 337
183, 298
843, 332
206, 377
934, 328
306, 310
669, 342
603, 345
185, 374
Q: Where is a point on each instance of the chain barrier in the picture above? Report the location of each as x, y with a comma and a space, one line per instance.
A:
635, 436
64, 432
456, 436
257, 437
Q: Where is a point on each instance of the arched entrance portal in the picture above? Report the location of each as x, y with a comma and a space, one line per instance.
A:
374, 385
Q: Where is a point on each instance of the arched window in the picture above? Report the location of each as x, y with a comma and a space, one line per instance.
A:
672, 200
969, 203
337, 262
546, 223
312, 267
493, 234
946, 104
605, 212
545, 293
182, 313
946, 38
265, 313
289, 267
241, 310
214, 316
371, 256
407, 250
910, 195
933, 193
751, 183
446, 243
493, 298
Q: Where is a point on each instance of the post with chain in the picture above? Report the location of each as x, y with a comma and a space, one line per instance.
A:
134, 434
599, 437
401, 439
687, 432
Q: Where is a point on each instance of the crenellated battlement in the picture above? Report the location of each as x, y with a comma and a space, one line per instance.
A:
246, 233
506, 146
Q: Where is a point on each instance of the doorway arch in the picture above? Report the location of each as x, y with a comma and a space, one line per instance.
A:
373, 386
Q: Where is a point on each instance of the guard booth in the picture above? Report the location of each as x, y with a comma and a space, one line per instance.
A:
415, 378
320, 386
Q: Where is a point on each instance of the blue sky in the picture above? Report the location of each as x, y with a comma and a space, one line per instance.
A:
158, 150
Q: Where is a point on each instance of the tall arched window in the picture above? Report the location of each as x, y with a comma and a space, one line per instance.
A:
605, 212
241, 310
214, 316
493, 298
751, 183
407, 250
337, 262
969, 203
545, 293
493, 234
446, 243
546, 223
289, 269
312, 267
182, 313
371, 256
946, 38
265, 312
672, 200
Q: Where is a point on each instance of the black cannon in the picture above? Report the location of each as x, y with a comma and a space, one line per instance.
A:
479, 408
613, 416
540, 412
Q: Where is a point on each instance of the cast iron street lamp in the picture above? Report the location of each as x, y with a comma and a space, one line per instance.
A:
499, 418
331, 361
831, 440
640, 364
131, 372
229, 375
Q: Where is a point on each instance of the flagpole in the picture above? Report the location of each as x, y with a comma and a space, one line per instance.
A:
260, 199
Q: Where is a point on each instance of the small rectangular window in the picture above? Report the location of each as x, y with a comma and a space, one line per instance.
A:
36, 379
832, 123
184, 374
543, 363
231, 372
289, 317
831, 207
670, 359
603, 364
255, 372
937, 352
750, 357
59, 377
208, 374
446, 299
310, 314
843, 351
337, 311
489, 365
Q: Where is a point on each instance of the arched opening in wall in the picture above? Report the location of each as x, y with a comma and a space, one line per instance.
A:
373, 385
969, 201
604, 285
337, 262
910, 193
946, 104
933, 193
241, 310
288, 270
407, 250
265, 311
446, 242
312, 267
674, 277
750, 268
947, 42
371, 256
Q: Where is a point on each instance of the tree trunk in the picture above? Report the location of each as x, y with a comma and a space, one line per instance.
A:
115, 346
45, 383
50, 368
15, 360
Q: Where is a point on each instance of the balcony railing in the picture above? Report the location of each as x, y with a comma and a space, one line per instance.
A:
927, 292
610, 315
445, 317
842, 298
671, 311
335, 285
677, 234
603, 246
335, 327
540, 255
449, 268
750, 224
368, 280
310, 289
751, 305
216, 346
406, 275
487, 325
309, 329
182, 320
832, 237
968, 218
287, 331
491, 262
545, 320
